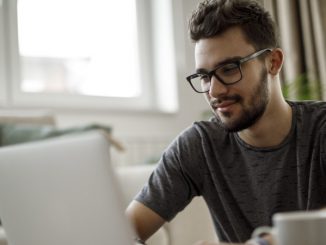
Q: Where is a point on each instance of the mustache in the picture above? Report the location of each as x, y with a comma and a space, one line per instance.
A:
216, 101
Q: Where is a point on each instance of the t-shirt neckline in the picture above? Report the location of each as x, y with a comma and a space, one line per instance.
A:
279, 146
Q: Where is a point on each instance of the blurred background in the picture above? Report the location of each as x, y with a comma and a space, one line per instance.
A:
71, 65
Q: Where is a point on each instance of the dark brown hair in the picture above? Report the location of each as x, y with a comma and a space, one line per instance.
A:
213, 17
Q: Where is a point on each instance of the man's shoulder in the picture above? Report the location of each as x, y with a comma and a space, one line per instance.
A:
310, 115
308, 105
211, 126
311, 110
202, 131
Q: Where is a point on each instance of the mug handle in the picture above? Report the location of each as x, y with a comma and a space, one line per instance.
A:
265, 233
263, 230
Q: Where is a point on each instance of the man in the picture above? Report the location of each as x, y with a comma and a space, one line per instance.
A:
260, 154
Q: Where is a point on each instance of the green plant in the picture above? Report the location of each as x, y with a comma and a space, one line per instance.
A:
302, 88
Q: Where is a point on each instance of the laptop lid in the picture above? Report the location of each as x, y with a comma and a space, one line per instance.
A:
61, 191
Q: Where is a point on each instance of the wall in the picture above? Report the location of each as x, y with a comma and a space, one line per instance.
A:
152, 128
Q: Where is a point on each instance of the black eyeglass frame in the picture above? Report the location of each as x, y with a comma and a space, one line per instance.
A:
212, 73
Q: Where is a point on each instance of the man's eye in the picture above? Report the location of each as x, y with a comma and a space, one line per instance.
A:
204, 78
228, 69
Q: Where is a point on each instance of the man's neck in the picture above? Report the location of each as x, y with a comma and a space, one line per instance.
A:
272, 128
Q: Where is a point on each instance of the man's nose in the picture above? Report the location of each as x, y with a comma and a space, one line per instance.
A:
217, 88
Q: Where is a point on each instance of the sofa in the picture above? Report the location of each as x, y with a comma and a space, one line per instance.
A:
190, 225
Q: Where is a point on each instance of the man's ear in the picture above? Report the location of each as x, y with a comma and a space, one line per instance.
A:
275, 61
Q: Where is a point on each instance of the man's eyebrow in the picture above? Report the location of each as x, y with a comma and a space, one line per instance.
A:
220, 63
201, 70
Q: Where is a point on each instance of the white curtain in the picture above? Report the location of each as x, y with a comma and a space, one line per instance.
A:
302, 26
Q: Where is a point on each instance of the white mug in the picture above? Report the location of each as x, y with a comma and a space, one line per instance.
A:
300, 228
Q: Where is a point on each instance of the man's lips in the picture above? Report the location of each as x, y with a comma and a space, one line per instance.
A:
224, 105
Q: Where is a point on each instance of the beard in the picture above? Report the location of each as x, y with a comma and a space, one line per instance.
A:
251, 112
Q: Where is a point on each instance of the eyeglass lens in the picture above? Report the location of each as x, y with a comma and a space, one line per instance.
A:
227, 74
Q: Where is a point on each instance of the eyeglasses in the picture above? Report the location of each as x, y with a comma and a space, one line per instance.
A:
229, 73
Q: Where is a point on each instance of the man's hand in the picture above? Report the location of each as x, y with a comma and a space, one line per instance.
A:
215, 243
206, 243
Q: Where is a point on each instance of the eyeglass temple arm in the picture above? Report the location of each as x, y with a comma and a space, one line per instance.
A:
255, 55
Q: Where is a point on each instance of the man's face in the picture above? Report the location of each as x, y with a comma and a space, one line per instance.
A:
237, 106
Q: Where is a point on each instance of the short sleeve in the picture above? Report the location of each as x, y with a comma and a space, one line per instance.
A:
175, 181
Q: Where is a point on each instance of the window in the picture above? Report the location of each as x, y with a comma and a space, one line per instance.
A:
87, 54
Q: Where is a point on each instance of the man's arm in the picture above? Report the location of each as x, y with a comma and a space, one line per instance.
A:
145, 221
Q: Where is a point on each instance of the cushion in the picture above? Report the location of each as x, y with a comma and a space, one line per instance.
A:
21, 133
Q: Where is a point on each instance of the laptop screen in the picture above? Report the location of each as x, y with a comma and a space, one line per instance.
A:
61, 191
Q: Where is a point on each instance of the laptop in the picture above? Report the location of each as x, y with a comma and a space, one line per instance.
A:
62, 191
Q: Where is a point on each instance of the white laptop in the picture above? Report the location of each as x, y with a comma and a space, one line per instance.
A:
62, 191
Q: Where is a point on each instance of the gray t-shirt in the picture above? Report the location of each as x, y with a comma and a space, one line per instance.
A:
242, 185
